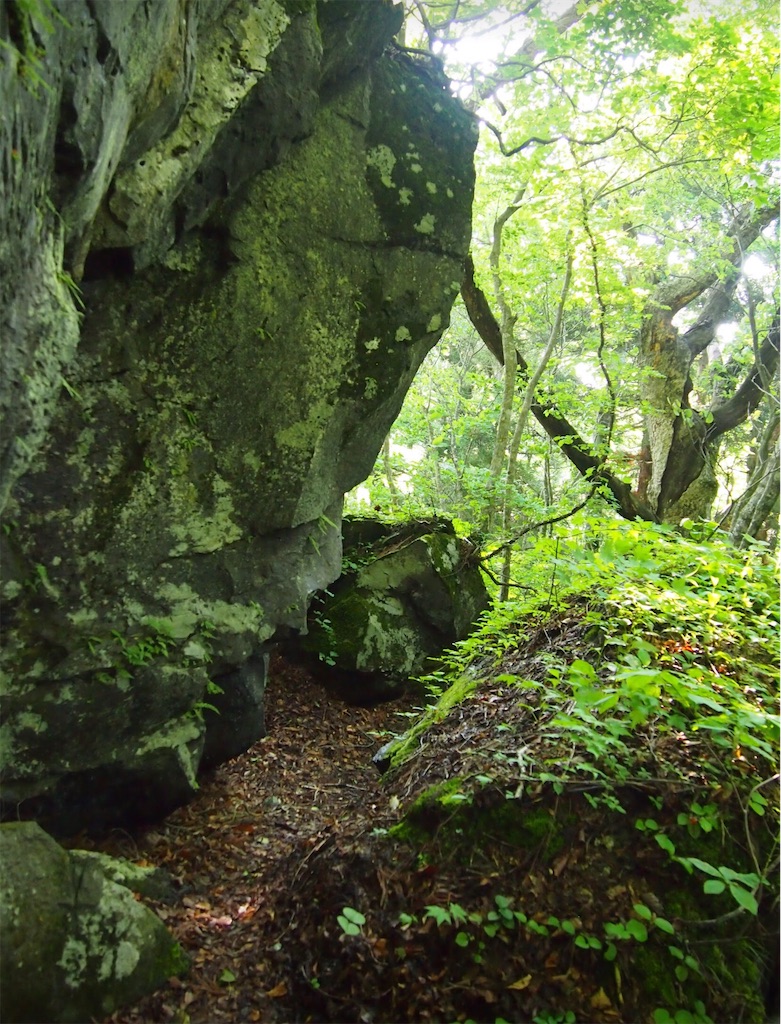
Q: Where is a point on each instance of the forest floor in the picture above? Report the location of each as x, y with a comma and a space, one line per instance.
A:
488, 908
238, 850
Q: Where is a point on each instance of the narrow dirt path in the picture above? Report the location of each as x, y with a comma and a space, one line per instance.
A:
238, 849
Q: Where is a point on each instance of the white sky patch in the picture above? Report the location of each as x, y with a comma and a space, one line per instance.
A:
755, 268
411, 454
725, 333
485, 48
587, 375
676, 258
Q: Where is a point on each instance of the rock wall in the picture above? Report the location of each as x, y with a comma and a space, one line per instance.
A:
233, 231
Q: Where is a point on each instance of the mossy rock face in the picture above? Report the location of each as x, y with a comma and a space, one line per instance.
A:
413, 591
464, 818
74, 945
255, 313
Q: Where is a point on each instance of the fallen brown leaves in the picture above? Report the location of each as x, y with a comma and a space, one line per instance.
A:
237, 850
283, 839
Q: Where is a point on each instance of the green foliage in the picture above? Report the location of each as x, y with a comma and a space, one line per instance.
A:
322, 526
697, 1015
741, 885
686, 638
142, 650
351, 921
75, 292
623, 147
680, 641
467, 928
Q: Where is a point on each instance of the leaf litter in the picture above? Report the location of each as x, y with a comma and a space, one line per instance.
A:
296, 905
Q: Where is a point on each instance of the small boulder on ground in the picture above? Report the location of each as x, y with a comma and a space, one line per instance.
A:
409, 591
74, 945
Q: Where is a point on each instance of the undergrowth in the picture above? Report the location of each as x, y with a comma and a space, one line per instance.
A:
641, 678
682, 638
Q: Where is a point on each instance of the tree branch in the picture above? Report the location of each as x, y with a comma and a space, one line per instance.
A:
530, 48
744, 229
751, 391
548, 142
700, 335
479, 312
556, 426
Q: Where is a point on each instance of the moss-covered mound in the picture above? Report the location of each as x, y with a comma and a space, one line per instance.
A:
586, 827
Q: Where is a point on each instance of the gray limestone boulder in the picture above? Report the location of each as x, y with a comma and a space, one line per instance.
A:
231, 236
235, 713
74, 945
411, 591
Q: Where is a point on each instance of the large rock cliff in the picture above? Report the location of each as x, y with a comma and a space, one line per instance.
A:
231, 231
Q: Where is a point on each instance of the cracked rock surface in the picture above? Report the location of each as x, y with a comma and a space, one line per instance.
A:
234, 230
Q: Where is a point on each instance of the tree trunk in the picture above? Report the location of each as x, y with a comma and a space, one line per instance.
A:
682, 443
760, 500
388, 467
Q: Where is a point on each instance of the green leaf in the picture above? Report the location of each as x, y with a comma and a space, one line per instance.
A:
462, 939
637, 929
746, 878
662, 1016
348, 927
642, 911
665, 842
704, 866
684, 1017
439, 914
353, 915
615, 930
664, 925
713, 886
744, 899
582, 669
458, 913
757, 803
226, 977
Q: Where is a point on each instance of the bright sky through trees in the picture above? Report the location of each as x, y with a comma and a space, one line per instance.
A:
624, 266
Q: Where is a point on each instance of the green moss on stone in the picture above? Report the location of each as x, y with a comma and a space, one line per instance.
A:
449, 811
654, 971
406, 744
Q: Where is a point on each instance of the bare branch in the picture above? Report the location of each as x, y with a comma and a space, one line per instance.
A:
538, 526
745, 228
548, 142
